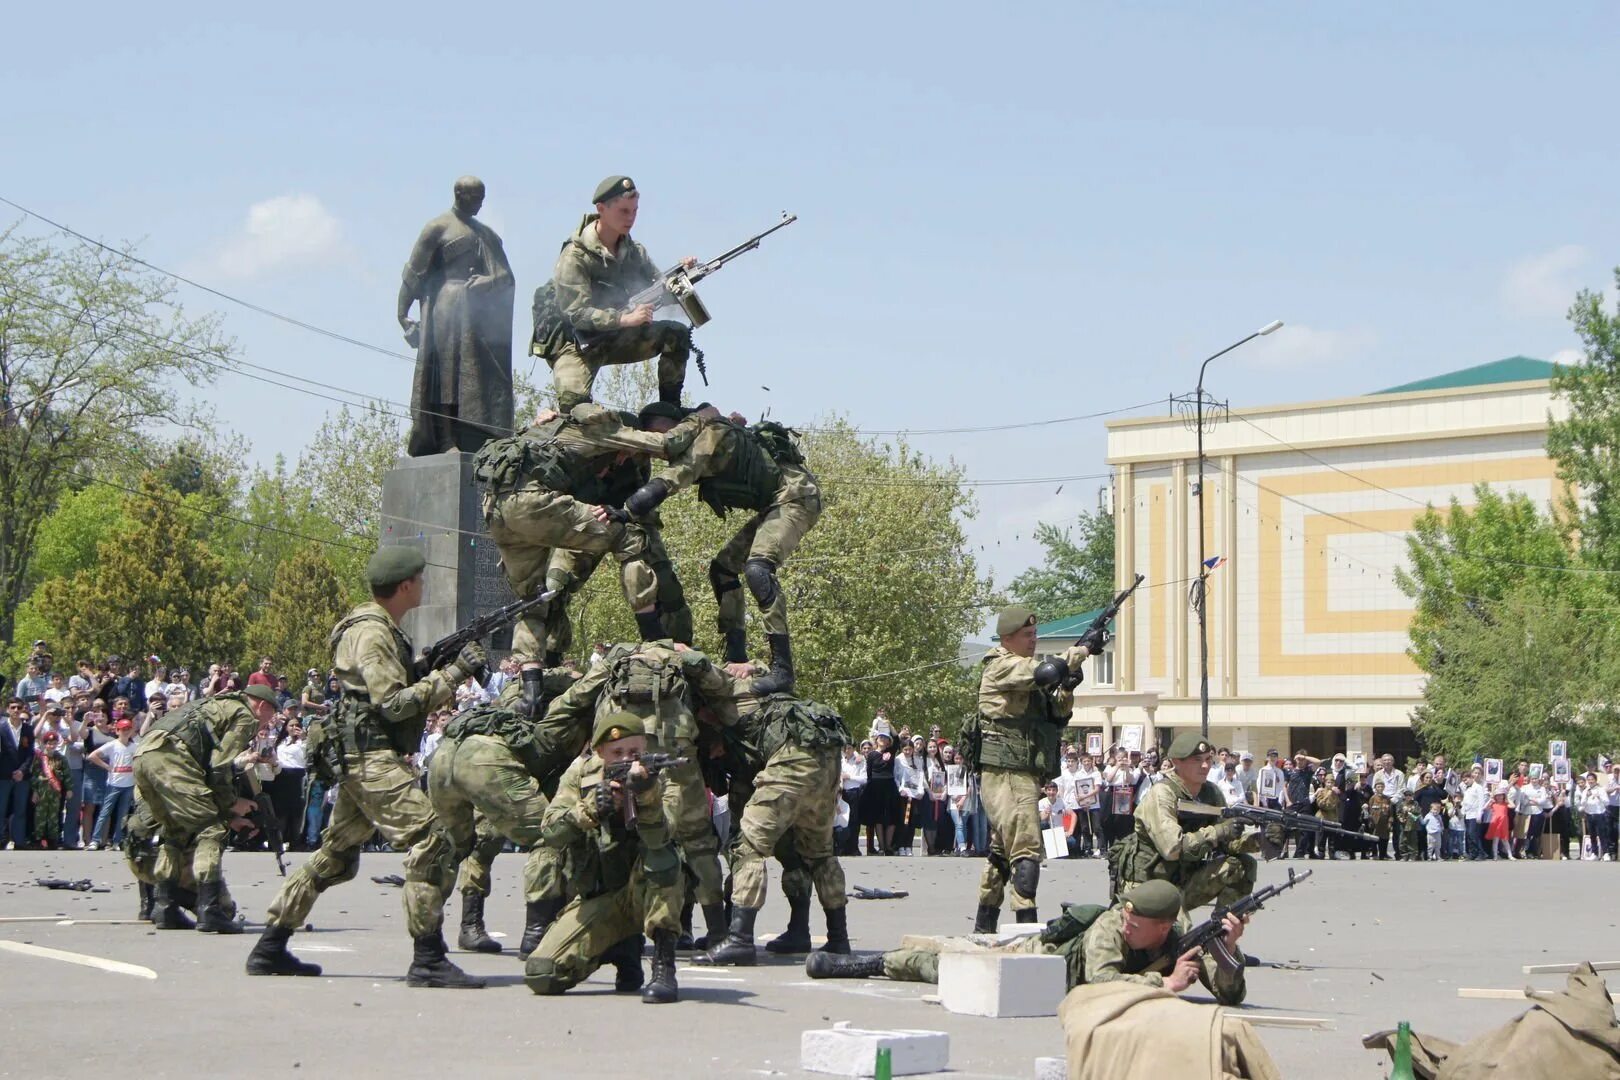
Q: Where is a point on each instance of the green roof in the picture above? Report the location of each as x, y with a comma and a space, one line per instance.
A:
1513, 369
1070, 626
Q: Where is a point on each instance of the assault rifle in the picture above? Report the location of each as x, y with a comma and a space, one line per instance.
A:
447, 648
1270, 822
620, 771
1211, 933
1052, 672
263, 816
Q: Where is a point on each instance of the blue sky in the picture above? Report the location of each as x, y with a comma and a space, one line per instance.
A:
1003, 217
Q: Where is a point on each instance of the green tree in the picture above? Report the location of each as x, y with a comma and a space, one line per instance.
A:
156, 585
1078, 574
341, 474
880, 594
306, 601
93, 354
1584, 443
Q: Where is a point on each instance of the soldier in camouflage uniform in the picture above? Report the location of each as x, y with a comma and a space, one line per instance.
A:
795, 794
539, 487
583, 323
1378, 814
484, 782
1137, 941
625, 875
1014, 744
757, 469
360, 746
1208, 863
141, 847
183, 777
658, 681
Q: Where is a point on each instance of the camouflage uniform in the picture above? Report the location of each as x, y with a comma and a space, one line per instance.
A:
539, 490
733, 469
593, 287
141, 846
626, 878
653, 681
1206, 864
360, 746
48, 798
1378, 814
183, 779
1017, 735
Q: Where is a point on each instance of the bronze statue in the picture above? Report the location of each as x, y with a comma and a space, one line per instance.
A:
459, 279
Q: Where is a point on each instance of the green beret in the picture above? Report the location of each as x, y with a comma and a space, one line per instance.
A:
392, 565
666, 410
1187, 744
612, 188
1013, 619
1153, 900
619, 725
260, 691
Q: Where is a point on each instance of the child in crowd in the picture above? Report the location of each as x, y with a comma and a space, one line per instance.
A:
1498, 831
1434, 828
1456, 830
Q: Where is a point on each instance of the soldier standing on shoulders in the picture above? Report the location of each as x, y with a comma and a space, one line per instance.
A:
360, 747
1014, 743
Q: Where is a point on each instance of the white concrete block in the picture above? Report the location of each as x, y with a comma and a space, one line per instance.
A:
1051, 1069
999, 984
849, 1051
1012, 931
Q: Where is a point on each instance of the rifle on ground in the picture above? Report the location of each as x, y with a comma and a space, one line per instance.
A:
82, 885
1270, 823
1211, 933
447, 648
620, 771
263, 816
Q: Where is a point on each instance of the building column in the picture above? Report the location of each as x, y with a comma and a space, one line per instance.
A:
1241, 741
1108, 727
1150, 730
1124, 572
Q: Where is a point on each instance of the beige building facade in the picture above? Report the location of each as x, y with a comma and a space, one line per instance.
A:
1307, 507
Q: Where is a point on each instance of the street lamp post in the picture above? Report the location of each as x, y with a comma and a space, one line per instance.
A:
1202, 585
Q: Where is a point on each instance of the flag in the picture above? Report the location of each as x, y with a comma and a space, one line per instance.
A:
1214, 562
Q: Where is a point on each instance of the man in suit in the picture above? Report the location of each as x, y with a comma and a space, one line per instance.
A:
16, 770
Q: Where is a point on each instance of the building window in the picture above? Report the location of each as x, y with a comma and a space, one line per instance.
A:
1102, 668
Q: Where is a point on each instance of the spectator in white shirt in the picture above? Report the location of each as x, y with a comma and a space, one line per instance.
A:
1269, 785
1081, 787
1243, 779
1119, 784
1594, 809
1475, 800
852, 781
1533, 801
117, 758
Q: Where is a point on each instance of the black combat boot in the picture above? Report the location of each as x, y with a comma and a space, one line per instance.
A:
650, 625
823, 965
626, 960
534, 692
987, 920
662, 989
714, 926
474, 938
145, 914
779, 680
737, 646
431, 966
795, 940
270, 955
669, 393
537, 915
684, 941
187, 899
212, 916
837, 931
737, 950
1025, 915
166, 913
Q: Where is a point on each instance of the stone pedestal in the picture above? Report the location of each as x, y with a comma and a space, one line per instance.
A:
431, 504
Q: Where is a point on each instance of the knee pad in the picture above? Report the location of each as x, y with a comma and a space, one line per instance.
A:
723, 579
1026, 877
543, 977
348, 867
761, 577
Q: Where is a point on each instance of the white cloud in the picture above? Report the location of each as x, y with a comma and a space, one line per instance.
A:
1545, 285
1568, 357
1297, 346
283, 231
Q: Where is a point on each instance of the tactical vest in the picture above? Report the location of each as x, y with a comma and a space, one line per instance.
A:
504, 465
653, 688
749, 481
354, 724
503, 724
1031, 742
189, 727
785, 719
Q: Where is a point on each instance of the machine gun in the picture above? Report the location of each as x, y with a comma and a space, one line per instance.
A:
263, 816
1271, 823
620, 771
1211, 933
1054, 671
447, 648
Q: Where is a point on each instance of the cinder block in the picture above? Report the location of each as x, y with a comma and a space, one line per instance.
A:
1012, 931
1051, 1069
849, 1051
999, 984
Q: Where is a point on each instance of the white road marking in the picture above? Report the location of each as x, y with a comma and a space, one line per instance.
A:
323, 948
117, 967
688, 973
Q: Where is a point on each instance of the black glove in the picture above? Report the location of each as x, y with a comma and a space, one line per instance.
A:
647, 498
616, 514
640, 782
470, 661
1095, 640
